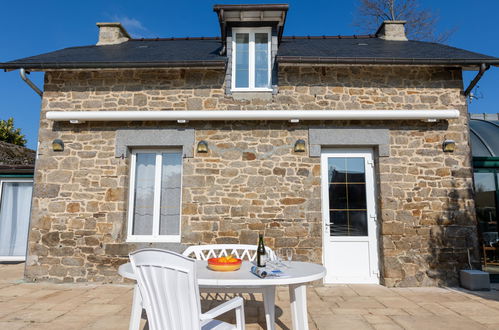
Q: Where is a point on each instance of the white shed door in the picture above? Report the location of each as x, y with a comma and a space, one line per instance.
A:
349, 216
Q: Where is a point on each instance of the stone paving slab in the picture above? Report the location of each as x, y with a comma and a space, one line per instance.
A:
98, 306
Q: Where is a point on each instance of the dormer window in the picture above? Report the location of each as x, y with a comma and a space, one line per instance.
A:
251, 61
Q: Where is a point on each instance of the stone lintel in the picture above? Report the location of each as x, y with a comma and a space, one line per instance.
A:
349, 137
155, 138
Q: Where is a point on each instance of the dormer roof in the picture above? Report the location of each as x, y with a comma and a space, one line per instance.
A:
261, 14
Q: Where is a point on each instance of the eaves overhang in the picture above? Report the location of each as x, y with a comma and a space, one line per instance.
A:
110, 65
384, 61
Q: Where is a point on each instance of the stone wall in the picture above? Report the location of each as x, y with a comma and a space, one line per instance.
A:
251, 180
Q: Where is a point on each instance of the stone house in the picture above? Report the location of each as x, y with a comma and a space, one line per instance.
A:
330, 146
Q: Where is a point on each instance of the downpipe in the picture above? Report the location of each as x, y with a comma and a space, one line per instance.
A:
22, 73
483, 67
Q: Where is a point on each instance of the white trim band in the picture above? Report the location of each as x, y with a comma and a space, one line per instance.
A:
76, 117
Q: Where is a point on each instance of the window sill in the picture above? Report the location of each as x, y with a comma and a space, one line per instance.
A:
151, 239
250, 90
247, 95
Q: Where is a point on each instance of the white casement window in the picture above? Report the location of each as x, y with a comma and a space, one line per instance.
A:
251, 61
155, 195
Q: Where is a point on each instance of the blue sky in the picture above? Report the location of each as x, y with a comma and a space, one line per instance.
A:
35, 27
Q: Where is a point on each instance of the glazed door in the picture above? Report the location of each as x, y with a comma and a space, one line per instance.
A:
349, 216
15, 206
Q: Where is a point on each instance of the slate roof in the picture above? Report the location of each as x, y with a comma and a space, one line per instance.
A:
372, 50
202, 52
133, 53
16, 159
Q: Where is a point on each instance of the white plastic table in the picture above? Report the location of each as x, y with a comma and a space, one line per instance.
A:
299, 273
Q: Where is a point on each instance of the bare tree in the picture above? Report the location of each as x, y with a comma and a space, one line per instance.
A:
421, 22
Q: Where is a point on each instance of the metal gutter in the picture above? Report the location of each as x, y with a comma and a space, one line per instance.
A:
375, 60
108, 65
31, 84
483, 67
294, 116
221, 63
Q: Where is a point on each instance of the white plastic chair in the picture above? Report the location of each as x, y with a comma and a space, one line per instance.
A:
170, 293
241, 251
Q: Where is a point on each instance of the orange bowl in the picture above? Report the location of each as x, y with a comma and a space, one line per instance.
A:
216, 265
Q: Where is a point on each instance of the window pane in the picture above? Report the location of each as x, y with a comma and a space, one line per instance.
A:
346, 223
347, 196
356, 171
338, 196
337, 169
339, 223
486, 208
144, 194
242, 60
356, 196
14, 218
170, 194
261, 60
357, 221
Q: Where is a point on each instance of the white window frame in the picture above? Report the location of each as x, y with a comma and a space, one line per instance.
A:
155, 237
251, 59
2, 181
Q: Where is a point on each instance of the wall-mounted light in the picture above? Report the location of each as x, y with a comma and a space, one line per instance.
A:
299, 146
449, 145
57, 145
202, 147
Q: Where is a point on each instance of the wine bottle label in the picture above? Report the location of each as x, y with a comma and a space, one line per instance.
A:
263, 260
260, 272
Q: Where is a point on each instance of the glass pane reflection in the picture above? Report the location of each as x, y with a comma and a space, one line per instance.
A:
144, 194
169, 223
242, 60
338, 196
356, 171
485, 202
347, 196
261, 60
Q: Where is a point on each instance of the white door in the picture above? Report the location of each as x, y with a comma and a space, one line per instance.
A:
349, 216
15, 206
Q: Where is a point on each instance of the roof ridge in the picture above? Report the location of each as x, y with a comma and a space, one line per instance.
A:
174, 38
355, 36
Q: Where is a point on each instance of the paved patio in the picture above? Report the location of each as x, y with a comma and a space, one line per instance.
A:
70, 306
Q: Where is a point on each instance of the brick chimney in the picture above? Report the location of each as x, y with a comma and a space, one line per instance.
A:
112, 34
392, 30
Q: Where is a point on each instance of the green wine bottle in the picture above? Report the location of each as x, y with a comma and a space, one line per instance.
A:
261, 255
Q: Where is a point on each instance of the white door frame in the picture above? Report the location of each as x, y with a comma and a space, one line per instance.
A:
2, 180
372, 228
